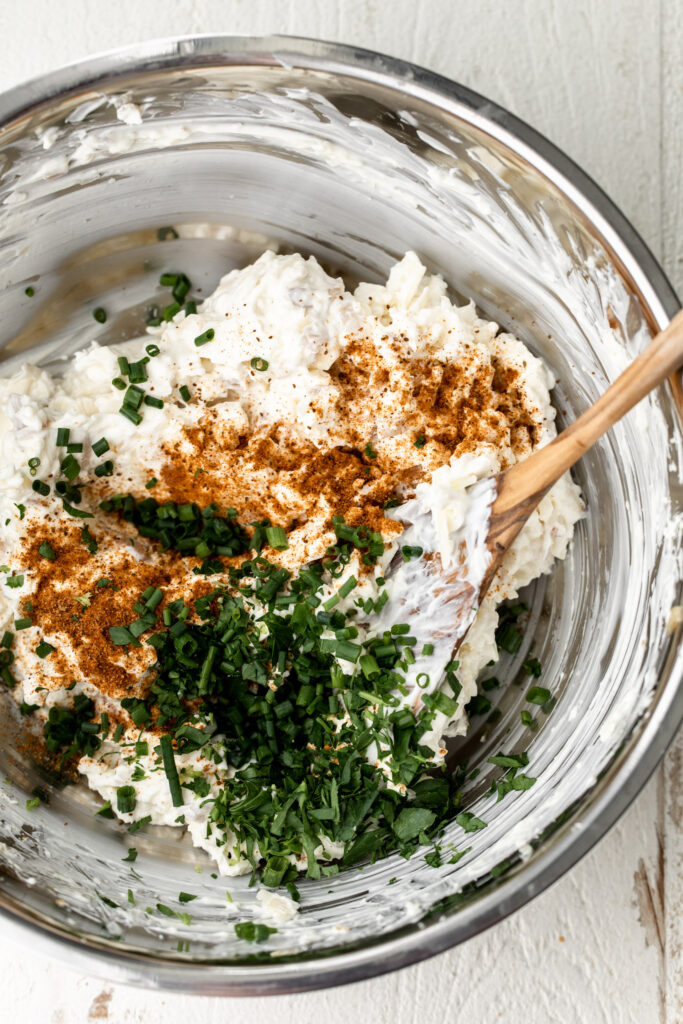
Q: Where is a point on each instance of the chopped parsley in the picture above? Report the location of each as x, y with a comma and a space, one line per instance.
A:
46, 550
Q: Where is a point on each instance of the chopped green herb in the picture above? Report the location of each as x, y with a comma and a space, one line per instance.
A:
259, 364
135, 826
45, 550
171, 770
468, 822
90, 542
250, 931
100, 315
101, 446
207, 336
538, 695
126, 799
277, 538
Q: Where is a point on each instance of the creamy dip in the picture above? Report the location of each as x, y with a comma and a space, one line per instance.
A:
293, 401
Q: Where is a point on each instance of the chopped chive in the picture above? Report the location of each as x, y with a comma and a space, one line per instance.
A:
100, 315
22, 623
44, 648
152, 482
168, 312
171, 770
120, 384
420, 441
29, 291
33, 465
277, 538
190, 307
184, 392
62, 436
126, 798
131, 415
156, 403
346, 588
152, 350
74, 448
101, 446
202, 339
181, 287
133, 397
77, 513
138, 371
168, 280
70, 467
105, 468
259, 364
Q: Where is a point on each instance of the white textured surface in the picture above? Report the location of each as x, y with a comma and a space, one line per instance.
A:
605, 82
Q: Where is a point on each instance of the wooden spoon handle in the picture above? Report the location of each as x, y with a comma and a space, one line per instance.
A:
522, 486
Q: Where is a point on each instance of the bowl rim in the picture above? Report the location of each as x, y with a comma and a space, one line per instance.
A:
639, 756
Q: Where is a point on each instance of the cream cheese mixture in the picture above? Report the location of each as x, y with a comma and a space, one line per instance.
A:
314, 412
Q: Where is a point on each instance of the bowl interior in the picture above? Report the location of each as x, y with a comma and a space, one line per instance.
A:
232, 156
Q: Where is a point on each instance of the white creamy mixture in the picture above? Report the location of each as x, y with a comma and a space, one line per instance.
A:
287, 312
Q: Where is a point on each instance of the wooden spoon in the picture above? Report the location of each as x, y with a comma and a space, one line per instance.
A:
520, 488
441, 604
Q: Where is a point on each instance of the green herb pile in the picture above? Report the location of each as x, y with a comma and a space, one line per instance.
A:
298, 698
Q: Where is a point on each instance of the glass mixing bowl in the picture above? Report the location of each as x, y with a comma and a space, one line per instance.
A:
198, 153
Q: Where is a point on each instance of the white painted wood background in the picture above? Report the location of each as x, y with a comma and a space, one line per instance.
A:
604, 80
